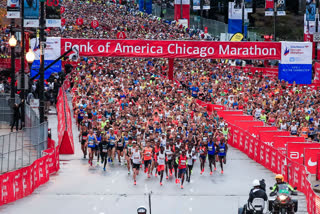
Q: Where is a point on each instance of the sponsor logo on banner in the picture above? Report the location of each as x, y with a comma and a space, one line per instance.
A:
316, 78
53, 22
295, 151
5, 190
269, 8
183, 49
13, 9
31, 22
310, 159
281, 7
296, 62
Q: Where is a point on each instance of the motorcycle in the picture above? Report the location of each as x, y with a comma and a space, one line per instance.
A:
256, 207
283, 203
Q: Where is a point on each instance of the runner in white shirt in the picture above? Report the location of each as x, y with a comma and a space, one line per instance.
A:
161, 161
136, 162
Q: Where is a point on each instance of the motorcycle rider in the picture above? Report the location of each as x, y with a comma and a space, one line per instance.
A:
280, 181
255, 192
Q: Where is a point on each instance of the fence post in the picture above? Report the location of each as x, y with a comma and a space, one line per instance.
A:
9, 151
15, 151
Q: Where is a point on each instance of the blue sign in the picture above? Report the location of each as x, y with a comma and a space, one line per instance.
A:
235, 26
299, 73
311, 12
145, 6
36, 66
31, 9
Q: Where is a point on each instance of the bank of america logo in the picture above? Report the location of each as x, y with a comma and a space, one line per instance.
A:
286, 52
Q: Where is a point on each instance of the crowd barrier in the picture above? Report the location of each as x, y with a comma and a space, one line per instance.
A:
243, 135
65, 136
22, 182
271, 72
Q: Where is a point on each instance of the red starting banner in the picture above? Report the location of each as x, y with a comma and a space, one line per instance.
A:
174, 49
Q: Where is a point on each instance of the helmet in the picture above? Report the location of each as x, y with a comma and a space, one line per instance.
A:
279, 176
256, 183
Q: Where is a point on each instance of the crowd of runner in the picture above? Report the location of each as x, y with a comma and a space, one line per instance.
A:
127, 113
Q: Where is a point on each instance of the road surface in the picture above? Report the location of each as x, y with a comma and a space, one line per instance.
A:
78, 188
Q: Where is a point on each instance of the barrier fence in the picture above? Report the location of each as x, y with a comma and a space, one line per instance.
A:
6, 112
65, 136
22, 182
247, 141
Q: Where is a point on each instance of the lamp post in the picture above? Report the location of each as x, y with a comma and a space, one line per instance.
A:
13, 43
30, 57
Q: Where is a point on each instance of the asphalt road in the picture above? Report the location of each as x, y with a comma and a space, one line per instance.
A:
78, 188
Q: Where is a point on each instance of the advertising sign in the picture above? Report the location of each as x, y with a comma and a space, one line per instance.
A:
13, 9
31, 13
53, 14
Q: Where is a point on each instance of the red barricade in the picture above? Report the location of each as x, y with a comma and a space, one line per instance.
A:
245, 124
66, 144
295, 150
22, 182
255, 130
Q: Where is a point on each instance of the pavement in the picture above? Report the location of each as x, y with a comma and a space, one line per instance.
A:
78, 188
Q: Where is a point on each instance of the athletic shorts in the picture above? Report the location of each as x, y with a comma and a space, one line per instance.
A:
92, 147
104, 154
202, 157
136, 166
160, 168
83, 142
211, 157
110, 147
97, 148
182, 171
147, 162
80, 120
224, 159
120, 148
169, 162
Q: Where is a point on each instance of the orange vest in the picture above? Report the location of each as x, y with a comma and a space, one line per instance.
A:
147, 154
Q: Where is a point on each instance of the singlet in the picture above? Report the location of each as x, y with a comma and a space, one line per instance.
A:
120, 143
294, 129
257, 113
182, 162
283, 126
84, 136
161, 158
202, 151
104, 146
178, 145
225, 132
129, 149
222, 150
263, 118
168, 153
91, 141
111, 140
147, 155
136, 157
98, 140
190, 158
211, 148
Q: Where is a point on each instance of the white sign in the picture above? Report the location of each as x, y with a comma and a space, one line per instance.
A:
34, 103
234, 13
296, 53
31, 23
53, 22
183, 1
52, 50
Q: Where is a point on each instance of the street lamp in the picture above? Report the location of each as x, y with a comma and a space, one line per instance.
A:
30, 56
13, 43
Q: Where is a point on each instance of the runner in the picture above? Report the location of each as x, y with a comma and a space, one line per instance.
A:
175, 158
169, 154
182, 166
222, 152
191, 158
91, 145
212, 154
120, 146
202, 157
128, 151
161, 157
136, 157
112, 138
104, 151
97, 148
147, 158
83, 137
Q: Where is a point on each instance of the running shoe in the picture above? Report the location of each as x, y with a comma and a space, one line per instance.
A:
128, 172
84, 156
98, 163
145, 170
167, 177
101, 161
90, 163
135, 183
149, 176
160, 183
211, 173
104, 169
109, 160
176, 180
155, 175
215, 169
181, 186
221, 171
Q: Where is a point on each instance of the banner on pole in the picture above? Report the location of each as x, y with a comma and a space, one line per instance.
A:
296, 62
53, 14
281, 7
197, 6
269, 8
52, 52
311, 12
316, 78
31, 13
13, 9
